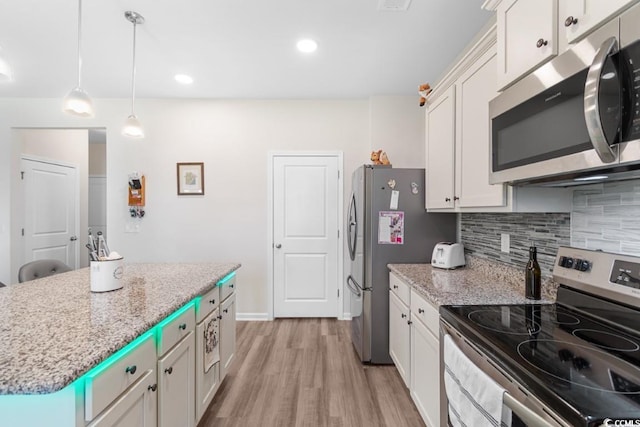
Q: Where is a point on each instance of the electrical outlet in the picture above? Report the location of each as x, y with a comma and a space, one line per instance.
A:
505, 242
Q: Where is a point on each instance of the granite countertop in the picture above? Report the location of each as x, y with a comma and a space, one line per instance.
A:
53, 330
480, 282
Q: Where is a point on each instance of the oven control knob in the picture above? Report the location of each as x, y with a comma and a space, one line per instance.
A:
585, 265
565, 355
568, 262
579, 363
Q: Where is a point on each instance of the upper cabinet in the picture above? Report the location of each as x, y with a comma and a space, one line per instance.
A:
527, 37
579, 17
531, 32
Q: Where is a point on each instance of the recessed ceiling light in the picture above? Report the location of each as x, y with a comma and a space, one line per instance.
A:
183, 79
307, 45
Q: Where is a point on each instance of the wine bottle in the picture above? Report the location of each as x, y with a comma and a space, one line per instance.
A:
532, 275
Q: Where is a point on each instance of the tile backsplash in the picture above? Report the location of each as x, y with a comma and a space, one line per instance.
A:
607, 217
481, 233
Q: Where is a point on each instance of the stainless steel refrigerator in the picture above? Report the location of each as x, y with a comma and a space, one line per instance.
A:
387, 224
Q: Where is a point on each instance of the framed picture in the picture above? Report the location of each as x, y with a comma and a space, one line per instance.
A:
190, 179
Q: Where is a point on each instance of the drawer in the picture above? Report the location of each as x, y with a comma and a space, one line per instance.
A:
425, 311
227, 286
175, 327
116, 374
208, 303
400, 288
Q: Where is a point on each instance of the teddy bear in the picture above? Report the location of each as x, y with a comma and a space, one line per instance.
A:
424, 90
379, 158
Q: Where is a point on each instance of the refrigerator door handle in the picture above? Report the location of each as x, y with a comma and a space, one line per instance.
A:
353, 226
353, 286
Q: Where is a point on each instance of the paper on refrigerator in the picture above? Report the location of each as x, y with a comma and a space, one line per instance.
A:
391, 228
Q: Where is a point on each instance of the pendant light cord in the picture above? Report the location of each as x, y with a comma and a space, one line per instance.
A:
133, 71
79, 39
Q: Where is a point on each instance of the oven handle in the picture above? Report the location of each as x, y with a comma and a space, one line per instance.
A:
591, 106
530, 418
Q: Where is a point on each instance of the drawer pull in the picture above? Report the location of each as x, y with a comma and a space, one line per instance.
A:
409, 322
219, 317
231, 286
447, 199
153, 387
420, 311
395, 286
169, 370
403, 315
183, 326
131, 369
226, 310
212, 301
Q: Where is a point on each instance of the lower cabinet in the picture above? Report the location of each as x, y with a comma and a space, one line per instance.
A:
137, 407
176, 385
425, 373
414, 346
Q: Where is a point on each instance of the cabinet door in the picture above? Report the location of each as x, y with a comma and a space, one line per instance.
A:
425, 373
579, 17
227, 334
207, 382
399, 336
137, 407
527, 37
474, 89
176, 385
440, 131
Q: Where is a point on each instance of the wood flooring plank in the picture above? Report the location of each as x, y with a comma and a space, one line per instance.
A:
305, 372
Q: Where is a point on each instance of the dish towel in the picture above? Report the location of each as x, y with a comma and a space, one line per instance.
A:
211, 347
474, 399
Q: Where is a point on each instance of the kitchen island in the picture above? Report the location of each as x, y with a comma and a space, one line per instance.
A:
53, 331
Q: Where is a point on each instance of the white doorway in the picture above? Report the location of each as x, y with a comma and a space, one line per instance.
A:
306, 234
51, 210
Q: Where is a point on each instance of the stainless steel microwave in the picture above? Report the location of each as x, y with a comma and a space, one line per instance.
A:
576, 119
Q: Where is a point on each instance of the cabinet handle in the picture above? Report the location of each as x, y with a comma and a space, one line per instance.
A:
395, 286
456, 198
219, 317
541, 42
231, 286
409, 322
212, 301
446, 199
226, 310
183, 326
169, 370
153, 387
570, 21
420, 311
131, 369
403, 315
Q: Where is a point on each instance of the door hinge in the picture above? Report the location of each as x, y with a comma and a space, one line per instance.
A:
338, 293
338, 234
21, 174
23, 231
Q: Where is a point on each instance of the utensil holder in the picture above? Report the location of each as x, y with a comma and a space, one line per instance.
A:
107, 275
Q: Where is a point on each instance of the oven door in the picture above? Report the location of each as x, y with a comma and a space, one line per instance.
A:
526, 410
562, 119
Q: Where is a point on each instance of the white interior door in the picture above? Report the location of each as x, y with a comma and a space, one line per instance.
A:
97, 209
51, 204
305, 236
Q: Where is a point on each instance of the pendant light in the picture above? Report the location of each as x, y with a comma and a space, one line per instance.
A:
132, 126
77, 102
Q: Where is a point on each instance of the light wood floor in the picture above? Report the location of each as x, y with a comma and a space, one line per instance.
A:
304, 372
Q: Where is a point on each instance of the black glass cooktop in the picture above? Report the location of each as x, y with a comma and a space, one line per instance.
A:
575, 360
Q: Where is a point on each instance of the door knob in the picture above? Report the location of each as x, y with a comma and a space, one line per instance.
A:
278, 245
73, 238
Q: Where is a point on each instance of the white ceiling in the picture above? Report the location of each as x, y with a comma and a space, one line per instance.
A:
234, 48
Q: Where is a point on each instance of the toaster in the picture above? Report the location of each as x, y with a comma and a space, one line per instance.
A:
448, 255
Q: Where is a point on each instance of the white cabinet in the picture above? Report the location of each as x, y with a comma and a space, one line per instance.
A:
425, 372
227, 334
207, 375
440, 132
414, 346
579, 17
399, 330
176, 385
137, 407
527, 37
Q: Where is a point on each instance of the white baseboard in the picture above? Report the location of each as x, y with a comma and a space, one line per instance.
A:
252, 316
346, 316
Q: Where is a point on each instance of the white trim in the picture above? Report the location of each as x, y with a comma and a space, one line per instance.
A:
256, 317
270, 156
491, 5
